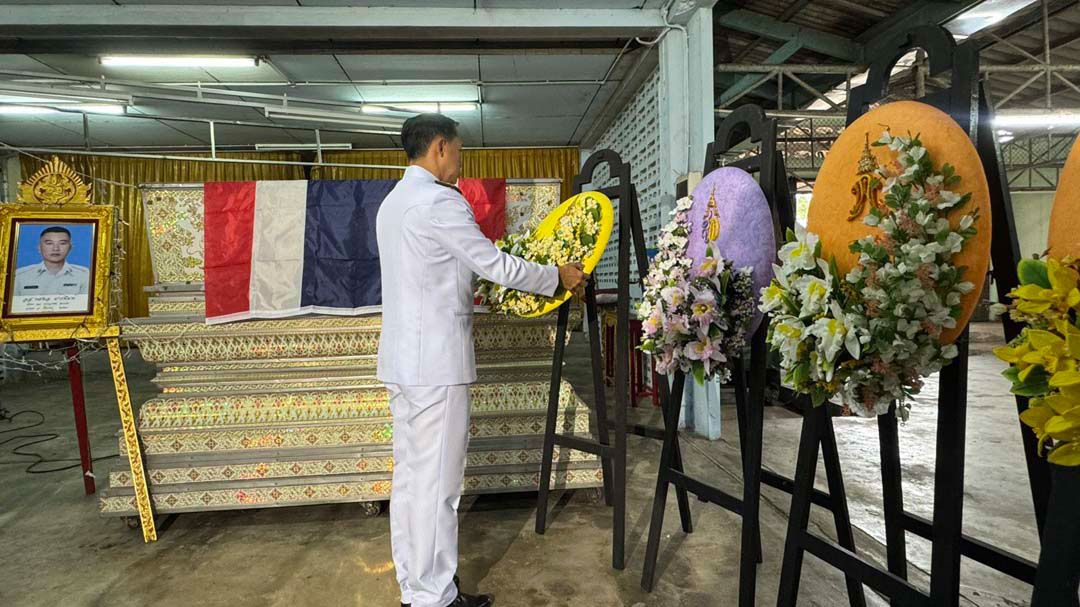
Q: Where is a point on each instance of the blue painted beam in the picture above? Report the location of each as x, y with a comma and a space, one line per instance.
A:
768, 27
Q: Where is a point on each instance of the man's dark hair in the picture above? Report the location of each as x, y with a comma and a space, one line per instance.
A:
419, 131
55, 230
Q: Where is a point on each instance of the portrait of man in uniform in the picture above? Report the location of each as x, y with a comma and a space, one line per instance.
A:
52, 268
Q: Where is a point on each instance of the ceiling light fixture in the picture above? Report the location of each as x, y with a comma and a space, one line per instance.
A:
1049, 118
21, 109
419, 108
262, 147
318, 115
177, 61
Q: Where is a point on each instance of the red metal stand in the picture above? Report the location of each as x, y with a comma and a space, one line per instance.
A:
78, 403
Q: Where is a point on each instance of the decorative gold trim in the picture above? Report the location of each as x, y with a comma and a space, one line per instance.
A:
342, 491
131, 441
54, 184
24, 328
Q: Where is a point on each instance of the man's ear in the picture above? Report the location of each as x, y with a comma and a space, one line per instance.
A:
440, 146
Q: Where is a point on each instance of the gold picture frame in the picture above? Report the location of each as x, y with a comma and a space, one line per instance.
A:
41, 291
28, 316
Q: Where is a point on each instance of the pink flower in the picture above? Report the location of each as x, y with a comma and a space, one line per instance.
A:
906, 223
933, 191
708, 267
705, 350
703, 312
676, 323
653, 323
925, 274
880, 367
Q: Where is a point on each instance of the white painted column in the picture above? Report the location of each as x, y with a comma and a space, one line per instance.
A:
686, 116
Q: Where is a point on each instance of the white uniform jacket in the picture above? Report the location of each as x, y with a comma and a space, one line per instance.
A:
430, 250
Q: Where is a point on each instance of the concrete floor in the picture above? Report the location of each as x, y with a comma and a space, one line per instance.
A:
56, 550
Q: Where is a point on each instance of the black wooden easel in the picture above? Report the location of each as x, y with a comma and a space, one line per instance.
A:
612, 454
966, 102
747, 122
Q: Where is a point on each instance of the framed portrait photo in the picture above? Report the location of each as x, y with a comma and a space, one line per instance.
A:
55, 274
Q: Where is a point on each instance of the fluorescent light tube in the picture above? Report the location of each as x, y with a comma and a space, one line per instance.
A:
302, 146
420, 108
1049, 118
55, 108
177, 61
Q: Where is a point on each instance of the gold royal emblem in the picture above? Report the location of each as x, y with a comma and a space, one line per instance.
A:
867, 188
54, 184
712, 219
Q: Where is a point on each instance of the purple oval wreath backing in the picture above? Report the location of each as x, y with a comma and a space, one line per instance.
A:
729, 204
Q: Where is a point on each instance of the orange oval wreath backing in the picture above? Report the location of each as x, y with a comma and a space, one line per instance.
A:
835, 215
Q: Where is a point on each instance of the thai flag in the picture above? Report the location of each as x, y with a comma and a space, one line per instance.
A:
275, 249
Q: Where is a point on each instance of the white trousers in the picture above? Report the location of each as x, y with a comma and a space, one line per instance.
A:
431, 433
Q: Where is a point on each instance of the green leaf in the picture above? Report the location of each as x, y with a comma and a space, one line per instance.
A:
1037, 384
800, 374
1033, 272
1012, 374
699, 373
789, 235
818, 396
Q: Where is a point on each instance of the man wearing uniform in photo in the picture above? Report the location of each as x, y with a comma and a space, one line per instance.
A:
52, 284
431, 250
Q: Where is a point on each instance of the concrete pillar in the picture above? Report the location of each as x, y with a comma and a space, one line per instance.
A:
686, 118
686, 103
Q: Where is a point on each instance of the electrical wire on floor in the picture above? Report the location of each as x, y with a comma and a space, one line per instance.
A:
29, 440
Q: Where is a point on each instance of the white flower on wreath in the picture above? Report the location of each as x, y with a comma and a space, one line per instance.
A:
799, 255
673, 296
772, 297
788, 333
815, 293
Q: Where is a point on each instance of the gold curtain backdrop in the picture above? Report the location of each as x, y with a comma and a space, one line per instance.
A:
136, 272
510, 163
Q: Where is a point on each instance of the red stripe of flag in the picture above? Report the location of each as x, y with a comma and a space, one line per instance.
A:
488, 200
229, 209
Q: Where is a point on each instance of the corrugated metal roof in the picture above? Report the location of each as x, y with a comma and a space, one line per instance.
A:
1021, 42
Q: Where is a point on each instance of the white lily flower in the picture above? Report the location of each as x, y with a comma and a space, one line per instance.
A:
800, 253
814, 292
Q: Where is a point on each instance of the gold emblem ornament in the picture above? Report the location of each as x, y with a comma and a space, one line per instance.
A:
712, 219
867, 187
54, 184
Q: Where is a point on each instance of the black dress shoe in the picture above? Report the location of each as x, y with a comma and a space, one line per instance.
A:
457, 584
469, 600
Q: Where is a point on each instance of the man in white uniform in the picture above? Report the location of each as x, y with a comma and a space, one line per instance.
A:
430, 250
53, 275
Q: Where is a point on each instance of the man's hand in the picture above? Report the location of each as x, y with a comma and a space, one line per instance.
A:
573, 279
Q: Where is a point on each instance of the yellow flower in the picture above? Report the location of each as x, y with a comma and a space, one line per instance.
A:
1052, 303
1057, 416
1048, 351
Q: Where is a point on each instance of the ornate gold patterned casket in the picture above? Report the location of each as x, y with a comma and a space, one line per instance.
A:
289, 412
